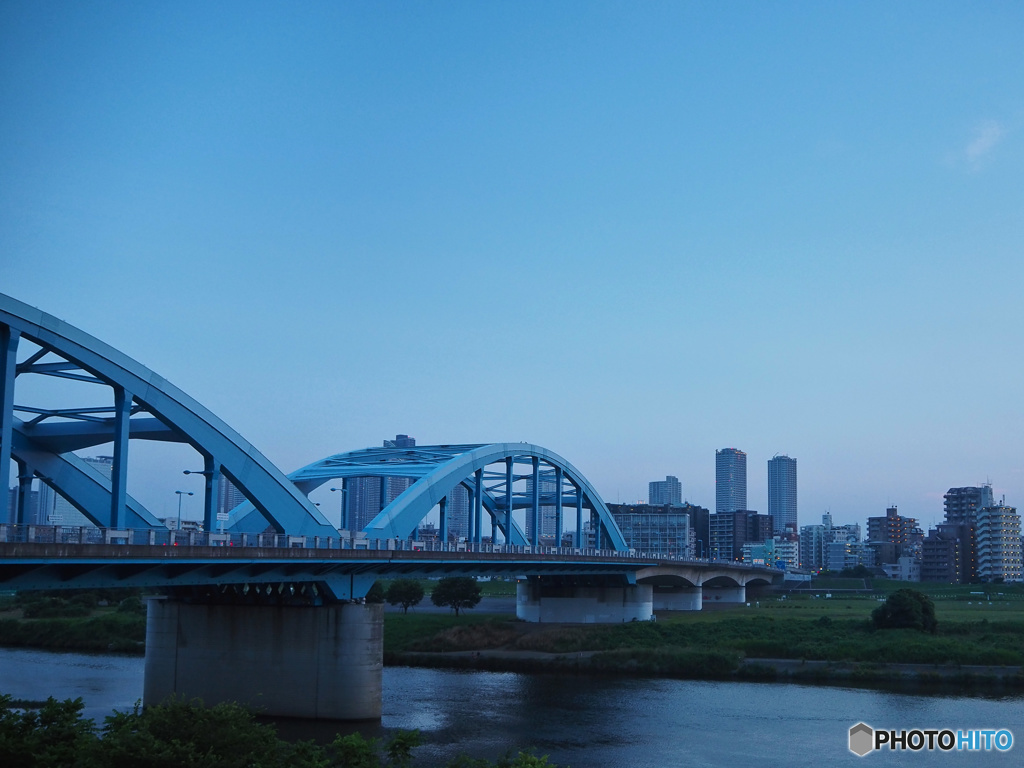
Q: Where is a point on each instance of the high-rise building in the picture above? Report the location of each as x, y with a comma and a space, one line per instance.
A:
999, 544
731, 530
64, 512
365, 497
893, 536
228, 496
962, 506
548, 519
730, 480
667, 491
782, 492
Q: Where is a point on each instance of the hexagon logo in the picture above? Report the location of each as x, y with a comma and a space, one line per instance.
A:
862, 739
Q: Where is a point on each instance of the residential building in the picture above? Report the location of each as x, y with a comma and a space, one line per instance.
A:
365, 497
667, 491
999, 544
942, 554
730, 480
961, 507
893, 536
782, 492
730, 531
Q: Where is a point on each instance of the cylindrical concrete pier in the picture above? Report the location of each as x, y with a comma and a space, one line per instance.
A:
320, 662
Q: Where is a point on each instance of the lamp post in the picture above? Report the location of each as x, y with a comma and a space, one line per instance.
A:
180, 494
341, 511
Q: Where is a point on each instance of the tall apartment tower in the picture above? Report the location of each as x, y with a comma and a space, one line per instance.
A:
365, 497
782, 493
962, 506
667, 491
730, 480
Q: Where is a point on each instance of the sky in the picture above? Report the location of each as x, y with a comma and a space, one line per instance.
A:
632, 233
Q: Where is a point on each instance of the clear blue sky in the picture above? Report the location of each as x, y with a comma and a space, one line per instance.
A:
630, 232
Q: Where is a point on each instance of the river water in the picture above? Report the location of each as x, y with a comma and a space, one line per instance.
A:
587, 723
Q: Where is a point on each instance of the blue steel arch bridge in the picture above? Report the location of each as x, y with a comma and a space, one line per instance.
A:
278, 551
500, 478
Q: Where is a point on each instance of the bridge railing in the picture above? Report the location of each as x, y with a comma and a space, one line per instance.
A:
157, 537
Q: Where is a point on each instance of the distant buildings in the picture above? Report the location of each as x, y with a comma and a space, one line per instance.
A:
782, 492
663, 529
998, 544
667, 491
365, 497
731, 530
893, 536
730, 480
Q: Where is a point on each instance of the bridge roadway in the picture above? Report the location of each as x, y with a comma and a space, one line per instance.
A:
51, 557
278, 622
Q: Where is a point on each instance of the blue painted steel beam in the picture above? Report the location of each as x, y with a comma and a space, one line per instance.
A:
278, 500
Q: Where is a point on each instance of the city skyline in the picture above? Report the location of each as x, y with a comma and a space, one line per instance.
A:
632, 235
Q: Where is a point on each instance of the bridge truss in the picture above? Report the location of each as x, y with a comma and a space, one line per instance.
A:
501, 479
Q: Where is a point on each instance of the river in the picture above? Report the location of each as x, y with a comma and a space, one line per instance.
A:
587, 723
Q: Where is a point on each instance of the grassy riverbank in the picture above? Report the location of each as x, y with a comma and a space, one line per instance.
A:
795, 637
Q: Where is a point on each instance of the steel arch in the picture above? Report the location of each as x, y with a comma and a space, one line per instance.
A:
438, 470
146, 406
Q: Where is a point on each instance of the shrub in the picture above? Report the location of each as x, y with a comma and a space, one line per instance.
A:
906, 609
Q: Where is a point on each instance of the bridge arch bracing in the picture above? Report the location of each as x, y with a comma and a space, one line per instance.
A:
145, 406
488, 472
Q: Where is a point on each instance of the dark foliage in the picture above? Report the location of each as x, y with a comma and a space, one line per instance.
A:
906, 609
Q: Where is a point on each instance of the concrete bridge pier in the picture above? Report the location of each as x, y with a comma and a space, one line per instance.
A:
315, 662
715, 595
677, 598
564, 602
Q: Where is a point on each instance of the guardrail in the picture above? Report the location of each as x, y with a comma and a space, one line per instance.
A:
154, 537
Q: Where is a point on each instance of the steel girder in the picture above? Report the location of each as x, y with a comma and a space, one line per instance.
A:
167, 414
439, 469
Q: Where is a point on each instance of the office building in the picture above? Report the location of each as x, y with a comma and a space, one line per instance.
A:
730, 480
660, 529
782, 492
667, 491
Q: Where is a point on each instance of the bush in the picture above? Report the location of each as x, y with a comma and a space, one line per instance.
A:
132, 605
906, 609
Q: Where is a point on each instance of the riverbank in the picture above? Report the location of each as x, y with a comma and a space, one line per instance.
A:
721, 666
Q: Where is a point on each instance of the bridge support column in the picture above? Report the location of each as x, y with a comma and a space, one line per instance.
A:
718, 595
677, 599
321, 663
572, 604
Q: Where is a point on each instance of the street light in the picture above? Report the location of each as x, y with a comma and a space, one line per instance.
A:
180, 494
341, 511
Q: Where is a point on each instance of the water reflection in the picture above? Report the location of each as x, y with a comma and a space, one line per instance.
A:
578, 721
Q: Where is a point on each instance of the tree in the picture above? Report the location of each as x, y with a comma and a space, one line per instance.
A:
906, 609
456, 592
405, 592
375, 594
